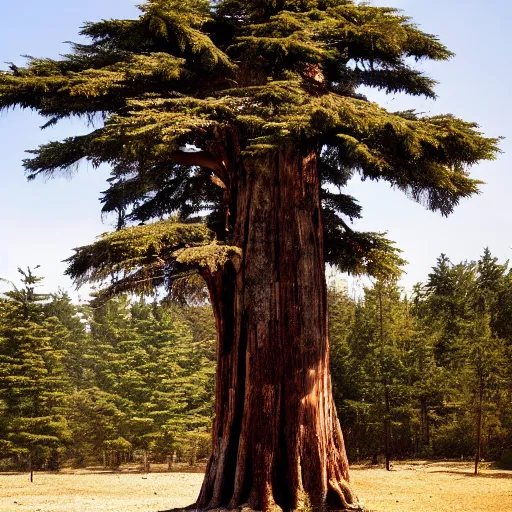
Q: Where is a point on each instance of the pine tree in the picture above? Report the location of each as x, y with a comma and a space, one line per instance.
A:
381, 339
491, 282
502, 328
450, 295
174, 407
251, 110
485, 351
460, 311
152, 379
189, 426
484, 373
342, 311
490, 274
73, 339
428, 378
96, 418
33, 380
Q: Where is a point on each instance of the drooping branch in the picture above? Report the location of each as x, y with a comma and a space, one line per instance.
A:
357, 252
143, 258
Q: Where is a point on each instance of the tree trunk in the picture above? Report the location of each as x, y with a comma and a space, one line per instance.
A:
193, 455
146, 462
387, 416
277, 442
425, 423
479, 427
30, 467
387, 430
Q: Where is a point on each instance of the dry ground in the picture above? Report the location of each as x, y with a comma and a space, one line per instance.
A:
413, 487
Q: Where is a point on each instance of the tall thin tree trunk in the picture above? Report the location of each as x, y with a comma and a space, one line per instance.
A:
146, 462
193, 455
479, 427
387, 416
387, 430
425, 422
277, 442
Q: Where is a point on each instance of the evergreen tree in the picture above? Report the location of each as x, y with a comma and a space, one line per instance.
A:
429, 380
503, 310
73, 339
342, 312
484, 373
152, 378
177, 382
491, 283
268, 94
445, 406
384, 325
502, 328
485, 351
461, 306
450, 296
33, 380
490, 275
96, 418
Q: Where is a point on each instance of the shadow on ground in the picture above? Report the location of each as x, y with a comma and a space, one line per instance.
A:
494, 474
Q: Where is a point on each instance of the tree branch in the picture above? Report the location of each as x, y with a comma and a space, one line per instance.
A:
200, 159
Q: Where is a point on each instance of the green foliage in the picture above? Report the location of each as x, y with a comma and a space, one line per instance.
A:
183, 100
95, 417
93, 386
235, 80
155, 379
138, 259
440, 356
103, 385
209, 257
134, 247
33, 378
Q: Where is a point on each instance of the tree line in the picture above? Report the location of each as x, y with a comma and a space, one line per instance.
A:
83, 385
426, 374
429, 374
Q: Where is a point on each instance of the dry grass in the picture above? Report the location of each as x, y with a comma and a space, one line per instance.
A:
434, 487
413, 487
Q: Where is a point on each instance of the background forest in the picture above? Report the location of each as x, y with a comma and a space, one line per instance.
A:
424, 375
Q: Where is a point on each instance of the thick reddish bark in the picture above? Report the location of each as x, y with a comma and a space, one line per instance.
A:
277, 441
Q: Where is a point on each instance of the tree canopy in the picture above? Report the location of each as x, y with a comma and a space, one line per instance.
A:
191, 89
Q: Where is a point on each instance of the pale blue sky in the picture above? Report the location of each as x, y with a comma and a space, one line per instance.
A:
42, 222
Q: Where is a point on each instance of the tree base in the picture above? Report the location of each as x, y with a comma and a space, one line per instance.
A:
245, 508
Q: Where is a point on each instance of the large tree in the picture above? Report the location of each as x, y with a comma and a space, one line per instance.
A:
252, 111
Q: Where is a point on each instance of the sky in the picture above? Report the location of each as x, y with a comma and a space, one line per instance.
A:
41, 222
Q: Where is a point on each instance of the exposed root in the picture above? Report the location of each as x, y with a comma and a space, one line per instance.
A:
340, 497
245, 508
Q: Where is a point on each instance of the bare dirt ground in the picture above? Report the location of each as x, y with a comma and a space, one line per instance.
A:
433, 487
410, 487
